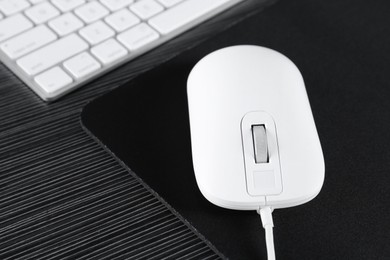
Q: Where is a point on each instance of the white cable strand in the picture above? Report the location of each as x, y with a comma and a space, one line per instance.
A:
268, 224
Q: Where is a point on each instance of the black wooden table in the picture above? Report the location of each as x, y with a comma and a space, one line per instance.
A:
63, 196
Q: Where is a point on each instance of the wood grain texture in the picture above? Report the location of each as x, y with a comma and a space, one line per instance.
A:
63, 196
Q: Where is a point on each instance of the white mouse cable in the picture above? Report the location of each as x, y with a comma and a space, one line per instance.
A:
266, 218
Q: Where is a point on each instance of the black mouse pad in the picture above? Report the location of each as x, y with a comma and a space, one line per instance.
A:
343, 51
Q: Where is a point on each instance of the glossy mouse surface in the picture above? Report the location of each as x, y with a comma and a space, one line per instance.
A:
254, 140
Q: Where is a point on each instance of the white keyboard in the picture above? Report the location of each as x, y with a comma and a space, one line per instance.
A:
58, 45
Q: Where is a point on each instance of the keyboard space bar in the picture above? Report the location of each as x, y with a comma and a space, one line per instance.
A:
183, 14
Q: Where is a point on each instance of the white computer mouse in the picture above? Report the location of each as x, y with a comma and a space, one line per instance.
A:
253, 136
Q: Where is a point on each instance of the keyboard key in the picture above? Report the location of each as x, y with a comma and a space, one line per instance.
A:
42, 13
67, 5
13, 25
146, 8
53, 79
9, 7
169, 3
28, 41
82, 65
66, 24
96, 32
91, 12
138, 37
52, 54
109, 51
122, 20
183, 14
114, 5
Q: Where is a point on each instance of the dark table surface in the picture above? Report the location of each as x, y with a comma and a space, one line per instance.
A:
63, 196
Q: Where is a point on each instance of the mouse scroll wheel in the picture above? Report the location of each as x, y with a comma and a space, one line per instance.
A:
260, 144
